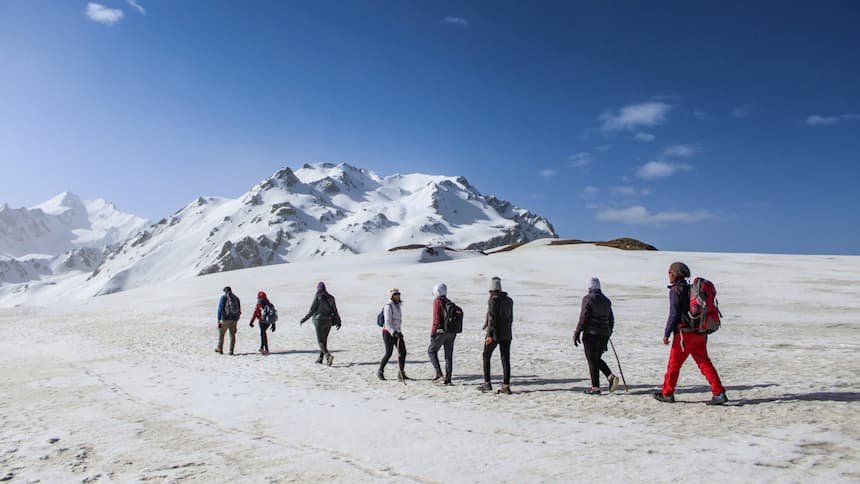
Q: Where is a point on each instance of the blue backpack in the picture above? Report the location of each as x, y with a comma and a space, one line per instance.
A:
380, 318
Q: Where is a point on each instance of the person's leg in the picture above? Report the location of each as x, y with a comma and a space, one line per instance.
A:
677, 356
449, 356
590, 345
388, 341
232, 328
222, 330
604, 368
488, 353
505, 350
401, 351
698, 348
436, 342
264, 340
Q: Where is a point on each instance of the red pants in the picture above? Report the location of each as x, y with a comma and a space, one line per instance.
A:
697, 346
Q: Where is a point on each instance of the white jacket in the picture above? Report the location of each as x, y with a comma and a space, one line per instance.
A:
393, 318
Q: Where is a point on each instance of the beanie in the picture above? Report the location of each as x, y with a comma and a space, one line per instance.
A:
679, 269
495, 284
593, 284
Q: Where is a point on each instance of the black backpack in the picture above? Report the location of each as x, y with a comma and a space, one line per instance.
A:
453, 322
269, 314
231, 307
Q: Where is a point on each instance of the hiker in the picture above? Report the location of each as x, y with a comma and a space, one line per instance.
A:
500, 318
324, 312
392, 336
440, 337
685, 342
267, 315
596, 323
229, 312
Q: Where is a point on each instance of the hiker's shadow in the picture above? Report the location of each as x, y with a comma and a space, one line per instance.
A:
801, 397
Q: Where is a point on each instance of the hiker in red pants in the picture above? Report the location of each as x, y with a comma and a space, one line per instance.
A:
685, 342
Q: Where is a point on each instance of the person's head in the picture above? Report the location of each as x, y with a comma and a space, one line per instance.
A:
440, 290
261, 295
228, 290
395, 295
678, 271
594, 284
495, 285
321, 287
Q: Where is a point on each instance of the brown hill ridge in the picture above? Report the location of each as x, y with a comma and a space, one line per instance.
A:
623, 243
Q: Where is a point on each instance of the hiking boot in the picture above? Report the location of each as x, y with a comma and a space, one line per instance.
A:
613, 383
448, 383
719, 399
486, 387
439, 379
664, 398
381, 375
592, 391
219, 351
506, 389
319, 360
328, 359
401, 376
231, 353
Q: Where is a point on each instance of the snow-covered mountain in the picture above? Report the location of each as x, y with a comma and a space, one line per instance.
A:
64, 234
315, 211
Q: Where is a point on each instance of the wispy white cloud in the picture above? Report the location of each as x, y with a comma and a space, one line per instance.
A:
630, 191
818, 120
684, 151
639, 215
741, 111
136, 6
700, 115
548, 173
103, 15
590, 192
580, 160
660, 169
645, 137
458, 21
652, 113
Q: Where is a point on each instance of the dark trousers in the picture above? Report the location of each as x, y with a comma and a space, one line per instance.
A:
594, 347
264, 340
323, 329
390, 342
505, 349
442, 340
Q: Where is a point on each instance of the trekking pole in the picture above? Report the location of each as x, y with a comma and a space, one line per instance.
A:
619, 365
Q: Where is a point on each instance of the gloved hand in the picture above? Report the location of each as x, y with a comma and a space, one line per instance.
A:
301, 322
273, 327
219, 325
337, 326
252, 324
576, 339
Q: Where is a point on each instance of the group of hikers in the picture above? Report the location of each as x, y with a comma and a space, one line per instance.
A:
593, 331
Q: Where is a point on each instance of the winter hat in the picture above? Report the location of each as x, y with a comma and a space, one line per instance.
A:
679, 269
594, 284
228, 290
440, 290
495, 284
321, 286
261, 295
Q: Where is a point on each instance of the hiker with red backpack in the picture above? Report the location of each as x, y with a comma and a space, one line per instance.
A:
596, 323
325, 315
229, 312
447, 322
689, 335
266, 313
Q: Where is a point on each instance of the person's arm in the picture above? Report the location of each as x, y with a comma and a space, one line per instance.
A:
674, 314
492, 317
335, 314
257, 314
221, 303
611, 320
438, 315
387, 313
313, 310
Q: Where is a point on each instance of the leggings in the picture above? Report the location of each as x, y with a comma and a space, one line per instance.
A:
323, 329
264, 340
505, 349
390, 342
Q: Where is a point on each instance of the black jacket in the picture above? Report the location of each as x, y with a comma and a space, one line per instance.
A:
596, 316
323, 309
500, 317
679, 308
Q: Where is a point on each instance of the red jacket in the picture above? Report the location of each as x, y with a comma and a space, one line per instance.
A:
438, 314
258, 311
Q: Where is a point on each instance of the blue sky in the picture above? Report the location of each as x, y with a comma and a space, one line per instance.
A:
731, 126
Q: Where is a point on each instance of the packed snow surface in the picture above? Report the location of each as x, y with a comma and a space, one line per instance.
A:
126, 387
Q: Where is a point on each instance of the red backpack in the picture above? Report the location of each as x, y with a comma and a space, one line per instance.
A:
704, 309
